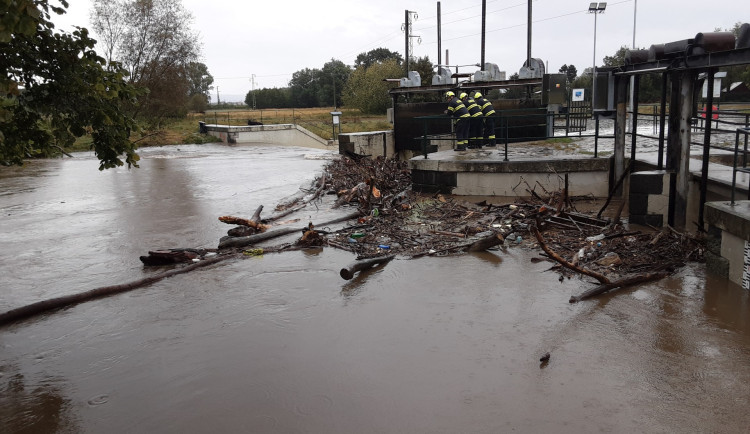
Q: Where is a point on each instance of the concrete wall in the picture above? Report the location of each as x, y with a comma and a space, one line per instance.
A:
510, 178
727, 238
372, 143
282, 134
648, 199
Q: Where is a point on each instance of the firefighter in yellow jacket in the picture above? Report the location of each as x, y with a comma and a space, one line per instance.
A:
475, 122
489, 119
459, 112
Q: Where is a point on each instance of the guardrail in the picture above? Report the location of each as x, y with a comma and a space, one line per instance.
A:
744, 168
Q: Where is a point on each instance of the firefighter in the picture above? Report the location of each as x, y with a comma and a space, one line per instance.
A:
489, 119
459, 112
475, 123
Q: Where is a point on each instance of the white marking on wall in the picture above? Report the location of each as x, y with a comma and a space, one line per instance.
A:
746, 267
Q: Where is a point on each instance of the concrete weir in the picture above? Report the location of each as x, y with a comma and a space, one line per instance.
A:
485, 173
283, 134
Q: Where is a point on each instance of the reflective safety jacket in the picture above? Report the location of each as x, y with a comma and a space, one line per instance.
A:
486, 106
457, 108
473, 107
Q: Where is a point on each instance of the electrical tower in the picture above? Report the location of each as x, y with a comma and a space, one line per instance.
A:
409, 16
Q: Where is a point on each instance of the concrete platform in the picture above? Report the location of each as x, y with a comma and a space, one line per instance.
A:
486, 173
728, 248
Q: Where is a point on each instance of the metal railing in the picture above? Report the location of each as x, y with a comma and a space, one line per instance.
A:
508, 128
744, 169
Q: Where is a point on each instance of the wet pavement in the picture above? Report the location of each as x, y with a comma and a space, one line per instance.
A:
281, 344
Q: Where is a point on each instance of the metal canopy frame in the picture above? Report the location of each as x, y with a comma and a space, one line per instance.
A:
504, 84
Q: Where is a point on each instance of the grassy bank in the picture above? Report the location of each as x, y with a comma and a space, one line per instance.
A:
185, 130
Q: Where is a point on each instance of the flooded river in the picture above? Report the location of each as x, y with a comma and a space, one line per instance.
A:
282, 344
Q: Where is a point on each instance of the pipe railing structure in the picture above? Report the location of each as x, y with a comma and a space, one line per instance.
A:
744, 169
434, 129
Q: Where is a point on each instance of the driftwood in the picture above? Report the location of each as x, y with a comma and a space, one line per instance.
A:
173, 256
68, 300
256, 214
614, 189
486, 243
254, 239
605, 283
316, 194
476, 246
641, 278
348, 272
600, 277
260, 227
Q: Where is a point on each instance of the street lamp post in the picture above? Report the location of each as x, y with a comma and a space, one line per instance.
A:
596, 9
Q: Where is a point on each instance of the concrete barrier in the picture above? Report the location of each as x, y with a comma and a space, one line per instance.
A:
372, 143
281, 134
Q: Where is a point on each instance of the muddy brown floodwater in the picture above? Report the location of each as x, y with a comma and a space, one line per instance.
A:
281, 344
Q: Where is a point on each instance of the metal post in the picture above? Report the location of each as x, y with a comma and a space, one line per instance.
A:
506, 137
744, 154
484, 19
596, 136
438, 36
662, 119
528, 35
634, 129
734, 166
707, 147
593, 72
424, 140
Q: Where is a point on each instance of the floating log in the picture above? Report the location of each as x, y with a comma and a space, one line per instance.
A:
39, 307
260, 227
166, 257
348, 272
486, 243
254, 239
628, 281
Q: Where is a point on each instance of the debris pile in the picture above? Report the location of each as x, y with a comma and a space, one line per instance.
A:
392, 220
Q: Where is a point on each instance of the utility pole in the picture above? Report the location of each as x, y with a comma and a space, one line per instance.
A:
218, 99
252, 80
596, 9
632, 77
484, 19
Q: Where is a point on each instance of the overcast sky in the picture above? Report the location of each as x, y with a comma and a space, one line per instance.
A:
273, 39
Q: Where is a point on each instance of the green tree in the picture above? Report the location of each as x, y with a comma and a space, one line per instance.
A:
366, 89
515, 92
425, 68
199, 79
305, 87
570, 72
737, 73
378, 55
618, 59
270, 98
55, 88
334, 76
198, 103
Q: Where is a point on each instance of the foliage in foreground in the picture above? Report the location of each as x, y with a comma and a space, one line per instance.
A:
55, 88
